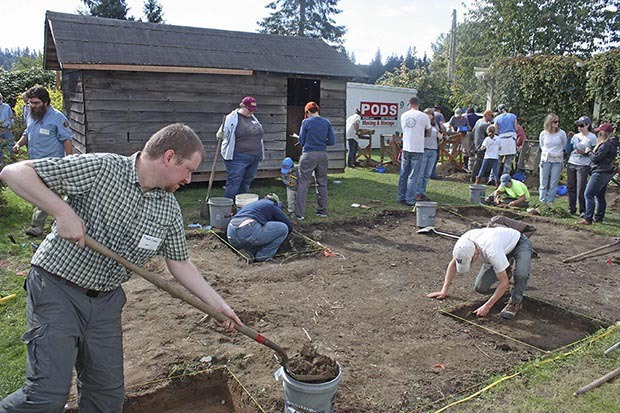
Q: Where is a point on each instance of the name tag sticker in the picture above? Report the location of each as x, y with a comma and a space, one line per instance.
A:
44, 131
149, 243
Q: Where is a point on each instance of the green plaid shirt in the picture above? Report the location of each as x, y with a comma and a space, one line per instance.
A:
103, 190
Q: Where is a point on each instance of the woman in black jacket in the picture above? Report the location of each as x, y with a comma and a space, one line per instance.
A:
603, 168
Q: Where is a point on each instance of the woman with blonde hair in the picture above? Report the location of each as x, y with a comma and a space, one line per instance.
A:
603, 168
552, 141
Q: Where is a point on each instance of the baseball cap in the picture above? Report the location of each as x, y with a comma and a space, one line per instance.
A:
605, 127
504, 179
583, 120
458, 112
311, 105
463, 253
501, 107
273, 198
287, 165
250, 103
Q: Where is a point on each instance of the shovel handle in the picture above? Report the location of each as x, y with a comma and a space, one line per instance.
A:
182, 295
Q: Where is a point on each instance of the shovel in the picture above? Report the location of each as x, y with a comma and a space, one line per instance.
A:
426, 230
204, 205
177, 292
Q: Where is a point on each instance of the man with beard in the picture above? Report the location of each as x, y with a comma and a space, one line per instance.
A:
47, 136
74, 294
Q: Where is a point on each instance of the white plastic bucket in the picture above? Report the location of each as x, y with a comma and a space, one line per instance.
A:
425, 213
476, 193
220, 211
242, 200
300, 397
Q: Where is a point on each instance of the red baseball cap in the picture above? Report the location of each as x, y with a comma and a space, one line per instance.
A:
250, 103
605, 127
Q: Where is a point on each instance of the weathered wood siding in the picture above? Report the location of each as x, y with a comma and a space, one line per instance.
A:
115, 111
73, 97
333, 107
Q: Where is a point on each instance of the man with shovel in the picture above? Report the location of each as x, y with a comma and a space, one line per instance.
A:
497, 248
74, 294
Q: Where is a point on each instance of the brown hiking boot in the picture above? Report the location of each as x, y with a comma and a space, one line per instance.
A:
510, 311
34, 232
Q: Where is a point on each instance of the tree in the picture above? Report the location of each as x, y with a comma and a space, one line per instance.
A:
304, 18
556, 27
114, 9
153, 11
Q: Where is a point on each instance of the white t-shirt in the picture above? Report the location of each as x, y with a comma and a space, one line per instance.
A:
580, 143
494, 245
350, 127
492, 147
552, 146
414, 123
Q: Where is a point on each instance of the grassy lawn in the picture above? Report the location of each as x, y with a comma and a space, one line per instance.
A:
541, 387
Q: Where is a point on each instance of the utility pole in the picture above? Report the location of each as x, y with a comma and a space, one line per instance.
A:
452, 51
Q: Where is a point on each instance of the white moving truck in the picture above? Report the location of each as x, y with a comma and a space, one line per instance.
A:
380, 107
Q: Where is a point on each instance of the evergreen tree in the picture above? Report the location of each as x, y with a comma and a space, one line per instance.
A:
375, 68
304, 18
153, 11
114, 9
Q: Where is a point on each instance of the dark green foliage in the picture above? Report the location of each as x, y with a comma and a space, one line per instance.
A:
537, 85
304, 18
14, 83
114, 9
604, 83
153, 11
527, 27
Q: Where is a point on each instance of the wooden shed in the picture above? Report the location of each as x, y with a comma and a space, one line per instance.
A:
124, 80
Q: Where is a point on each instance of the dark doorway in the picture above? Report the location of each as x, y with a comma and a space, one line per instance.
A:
299, 92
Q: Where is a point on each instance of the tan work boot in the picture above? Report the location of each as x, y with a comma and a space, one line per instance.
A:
510, 311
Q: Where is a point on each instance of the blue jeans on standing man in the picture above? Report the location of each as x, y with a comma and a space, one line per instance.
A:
409, 177
353, 148
426, 168
262, 241
549, 178
240, 172
595, 196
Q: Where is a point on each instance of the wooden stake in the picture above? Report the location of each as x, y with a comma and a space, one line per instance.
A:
598, 382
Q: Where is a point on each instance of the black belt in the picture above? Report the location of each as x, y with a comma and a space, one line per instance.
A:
88, 292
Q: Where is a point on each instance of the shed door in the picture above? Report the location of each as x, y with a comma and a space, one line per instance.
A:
300, 92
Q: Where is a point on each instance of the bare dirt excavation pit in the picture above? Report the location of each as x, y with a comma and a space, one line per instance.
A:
364, 305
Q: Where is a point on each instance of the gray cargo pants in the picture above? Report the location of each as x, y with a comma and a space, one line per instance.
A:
67, 328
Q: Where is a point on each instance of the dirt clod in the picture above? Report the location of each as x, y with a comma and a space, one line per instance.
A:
310, 362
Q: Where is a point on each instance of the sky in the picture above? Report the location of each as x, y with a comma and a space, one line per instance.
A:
393, 26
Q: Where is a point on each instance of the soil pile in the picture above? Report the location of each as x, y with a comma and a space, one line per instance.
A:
310, 362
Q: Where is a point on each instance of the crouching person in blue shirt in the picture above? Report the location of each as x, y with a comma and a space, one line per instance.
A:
259, 228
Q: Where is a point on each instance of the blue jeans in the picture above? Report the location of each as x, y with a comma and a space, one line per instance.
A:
262, 241
488, 165
595, 196
426, 168
353, 148
522, 253
549, 178
240, 172
409, 176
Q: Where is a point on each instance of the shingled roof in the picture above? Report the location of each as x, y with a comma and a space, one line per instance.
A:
76, 41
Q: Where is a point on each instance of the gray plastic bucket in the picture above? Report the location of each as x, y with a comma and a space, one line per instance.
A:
220, 211
425, 213
476, 193
302, 397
